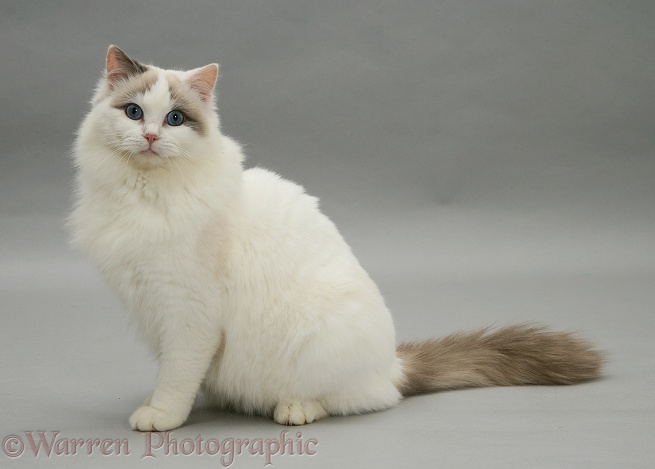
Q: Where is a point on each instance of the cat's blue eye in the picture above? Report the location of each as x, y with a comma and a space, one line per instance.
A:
174, 118
133, 111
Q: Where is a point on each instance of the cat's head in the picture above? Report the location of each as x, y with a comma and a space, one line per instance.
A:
150, 116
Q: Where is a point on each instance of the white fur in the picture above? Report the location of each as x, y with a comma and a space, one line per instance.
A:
235, 278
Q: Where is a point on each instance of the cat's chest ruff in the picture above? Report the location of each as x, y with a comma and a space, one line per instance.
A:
143, 188
146, 209
138, 261
128, 230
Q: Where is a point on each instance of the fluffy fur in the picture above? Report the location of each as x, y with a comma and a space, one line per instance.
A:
241, 286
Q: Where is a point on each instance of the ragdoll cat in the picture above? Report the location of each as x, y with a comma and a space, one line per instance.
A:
239, 283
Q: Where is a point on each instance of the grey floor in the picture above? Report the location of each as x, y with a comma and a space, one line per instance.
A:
490, 162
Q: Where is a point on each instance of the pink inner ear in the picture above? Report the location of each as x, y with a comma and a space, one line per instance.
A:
120, 66
112, 60
203, 79
115, 69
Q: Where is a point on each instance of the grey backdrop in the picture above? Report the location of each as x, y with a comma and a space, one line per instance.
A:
490, 161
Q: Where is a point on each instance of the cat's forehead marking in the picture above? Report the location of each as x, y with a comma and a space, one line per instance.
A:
157, 94
155, 101
136, 85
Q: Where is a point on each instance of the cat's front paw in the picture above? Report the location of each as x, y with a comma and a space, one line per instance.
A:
298, 412
148, 419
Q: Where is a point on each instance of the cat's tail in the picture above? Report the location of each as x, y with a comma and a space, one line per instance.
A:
512, 355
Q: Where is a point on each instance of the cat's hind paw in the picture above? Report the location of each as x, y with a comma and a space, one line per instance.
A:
298, 412
148, 419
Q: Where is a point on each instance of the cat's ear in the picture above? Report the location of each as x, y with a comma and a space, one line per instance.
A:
202, 80
120, 66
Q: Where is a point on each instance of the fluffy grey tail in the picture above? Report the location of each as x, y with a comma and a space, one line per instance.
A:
513, 355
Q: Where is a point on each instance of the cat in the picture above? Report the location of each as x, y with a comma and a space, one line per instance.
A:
241, 286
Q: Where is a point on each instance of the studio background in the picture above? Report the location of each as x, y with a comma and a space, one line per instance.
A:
488, 161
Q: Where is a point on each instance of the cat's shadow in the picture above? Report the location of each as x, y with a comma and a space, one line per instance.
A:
206, 416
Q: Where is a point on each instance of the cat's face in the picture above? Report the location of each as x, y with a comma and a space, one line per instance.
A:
151, 116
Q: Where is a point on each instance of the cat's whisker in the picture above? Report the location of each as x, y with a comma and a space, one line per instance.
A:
110, 155
173, 161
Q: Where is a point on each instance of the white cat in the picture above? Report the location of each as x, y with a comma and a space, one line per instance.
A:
239, 283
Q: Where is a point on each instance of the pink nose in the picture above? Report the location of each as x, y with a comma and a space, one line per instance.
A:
151, 137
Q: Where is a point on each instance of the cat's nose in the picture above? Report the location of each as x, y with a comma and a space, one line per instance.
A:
151, 137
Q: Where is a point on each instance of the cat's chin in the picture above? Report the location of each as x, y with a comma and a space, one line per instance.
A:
147, 159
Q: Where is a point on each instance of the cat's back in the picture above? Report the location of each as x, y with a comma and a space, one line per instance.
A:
260, 182
269, 198
280, 218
